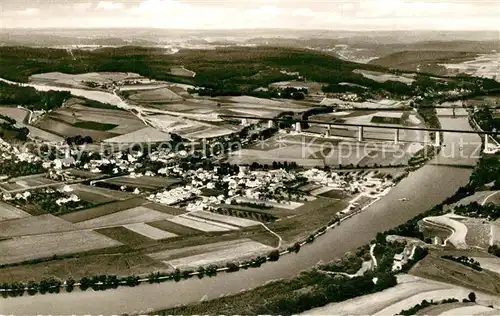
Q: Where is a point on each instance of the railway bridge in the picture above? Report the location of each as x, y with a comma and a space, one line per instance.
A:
361, 127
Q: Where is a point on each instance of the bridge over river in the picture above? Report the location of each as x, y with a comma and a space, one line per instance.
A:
298, 123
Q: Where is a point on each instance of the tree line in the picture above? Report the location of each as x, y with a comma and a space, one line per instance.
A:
30, 98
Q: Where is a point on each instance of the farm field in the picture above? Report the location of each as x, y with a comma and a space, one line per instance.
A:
181, 71
209, 253
495, 199
139, 87
489, 263
34, 225
435, 268
145, 182
383, 77
370, 118
236, 252
160, 95
373, 104
26, 248
384, 158
483, 65
102, 210
143, 135
175, 228
250, 111
125, 236
62, 129
40, 134
83, 174
235, 221
201, 224
247, 102
285, 205
191, 128
28, 182
98, 195
112, 264
308, 218
137, 214
478, 232
149, 231
247, 157
410, 291
77, 81
332, 193
15, 113
428, 61
164, 208
94, 125
81, 117
8, 212
460, 309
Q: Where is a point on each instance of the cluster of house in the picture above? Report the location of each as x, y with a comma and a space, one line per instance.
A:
123, 162
205, 202
174, 196
258, 184
402, 258
368, 183
253, 185
19, 196
9, 152
64, 200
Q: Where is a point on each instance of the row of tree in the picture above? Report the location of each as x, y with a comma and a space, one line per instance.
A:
13, 168
244, 214
424, 304
79, 140
489, 211
466, 261
105, 282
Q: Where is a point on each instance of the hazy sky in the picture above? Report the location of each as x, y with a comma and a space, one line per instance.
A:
227, 14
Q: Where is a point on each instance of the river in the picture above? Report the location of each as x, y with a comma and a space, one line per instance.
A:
424, 188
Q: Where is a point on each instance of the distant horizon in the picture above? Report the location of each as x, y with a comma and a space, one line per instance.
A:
254, 29
354, 15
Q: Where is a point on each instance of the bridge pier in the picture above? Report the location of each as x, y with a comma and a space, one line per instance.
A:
437, 139
244, 121
270, 124
486, 141
298, 128
360, 133
327, 133
396, 136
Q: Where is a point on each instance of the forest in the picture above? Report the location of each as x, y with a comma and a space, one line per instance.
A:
226, 71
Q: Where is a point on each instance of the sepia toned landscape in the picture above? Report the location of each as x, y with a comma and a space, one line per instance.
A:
214, 169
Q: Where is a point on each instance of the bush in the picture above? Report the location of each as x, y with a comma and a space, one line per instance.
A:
232, 267
472, 297
274, 255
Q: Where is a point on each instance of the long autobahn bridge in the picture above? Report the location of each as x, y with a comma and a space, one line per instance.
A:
298, 126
